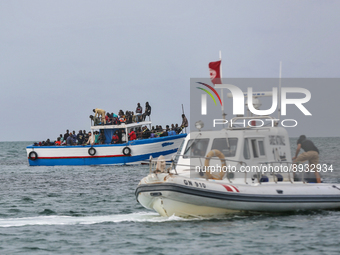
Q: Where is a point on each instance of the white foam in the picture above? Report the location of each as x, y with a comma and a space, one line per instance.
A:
72, 220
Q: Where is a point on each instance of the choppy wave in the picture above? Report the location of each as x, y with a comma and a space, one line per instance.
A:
88, 220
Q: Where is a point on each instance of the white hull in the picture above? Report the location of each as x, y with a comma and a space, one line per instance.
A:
169, 195
140, 151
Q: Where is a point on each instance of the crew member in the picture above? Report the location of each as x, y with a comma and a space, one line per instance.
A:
100, 112
311, 154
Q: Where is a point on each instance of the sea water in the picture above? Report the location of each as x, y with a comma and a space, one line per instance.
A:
93, 210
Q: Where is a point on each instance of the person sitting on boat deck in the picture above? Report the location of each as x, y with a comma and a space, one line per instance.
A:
185, 123
159, 131
177, 129
48, 143
115, 138
100, 112
66, 134
164, 132
311, 154
147, 110
122, 119
128, 117
80, 137
69, 140
58, 142
115, 121
139, 112
146, 132
89, 140
132, 135
61, 137
108, 118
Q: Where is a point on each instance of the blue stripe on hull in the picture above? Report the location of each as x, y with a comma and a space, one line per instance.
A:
130, 143
98, 161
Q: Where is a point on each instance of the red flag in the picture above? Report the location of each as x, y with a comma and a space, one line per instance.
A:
215, 74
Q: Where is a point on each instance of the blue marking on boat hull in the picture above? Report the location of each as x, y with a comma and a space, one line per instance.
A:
124, 160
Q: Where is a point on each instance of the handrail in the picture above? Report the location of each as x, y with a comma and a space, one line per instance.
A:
280, 163
260, 173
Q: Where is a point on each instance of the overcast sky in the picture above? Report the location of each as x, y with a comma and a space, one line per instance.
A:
61, 59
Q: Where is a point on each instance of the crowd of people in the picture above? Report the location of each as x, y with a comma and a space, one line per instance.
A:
69, 138
103, 118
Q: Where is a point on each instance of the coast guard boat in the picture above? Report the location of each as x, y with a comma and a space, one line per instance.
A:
130, 152
234, 169
245, 168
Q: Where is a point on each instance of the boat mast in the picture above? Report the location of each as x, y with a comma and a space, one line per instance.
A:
279, 95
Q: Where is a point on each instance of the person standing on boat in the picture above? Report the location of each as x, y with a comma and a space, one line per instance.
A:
80, 137
66, 134
100, 112
311, 154
139, 112
96, 137
74, 137
89, 140
69, 140
147, 110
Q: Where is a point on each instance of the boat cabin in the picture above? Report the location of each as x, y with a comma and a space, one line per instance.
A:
123, 128
238, 152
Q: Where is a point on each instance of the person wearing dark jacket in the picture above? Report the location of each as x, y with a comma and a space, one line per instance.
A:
311, 153
147, 110
66, 134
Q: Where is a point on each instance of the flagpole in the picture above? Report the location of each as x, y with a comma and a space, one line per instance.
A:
222, 106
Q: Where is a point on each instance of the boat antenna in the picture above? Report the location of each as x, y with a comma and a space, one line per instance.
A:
279, 94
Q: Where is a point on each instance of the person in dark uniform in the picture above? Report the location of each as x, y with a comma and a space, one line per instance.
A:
311, 153
147, 110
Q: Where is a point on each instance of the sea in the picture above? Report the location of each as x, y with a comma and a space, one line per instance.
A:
93, 210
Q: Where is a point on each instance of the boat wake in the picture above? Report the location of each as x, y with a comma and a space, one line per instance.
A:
88, 220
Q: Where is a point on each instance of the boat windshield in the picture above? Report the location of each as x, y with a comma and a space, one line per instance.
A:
196, 148
228, 148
